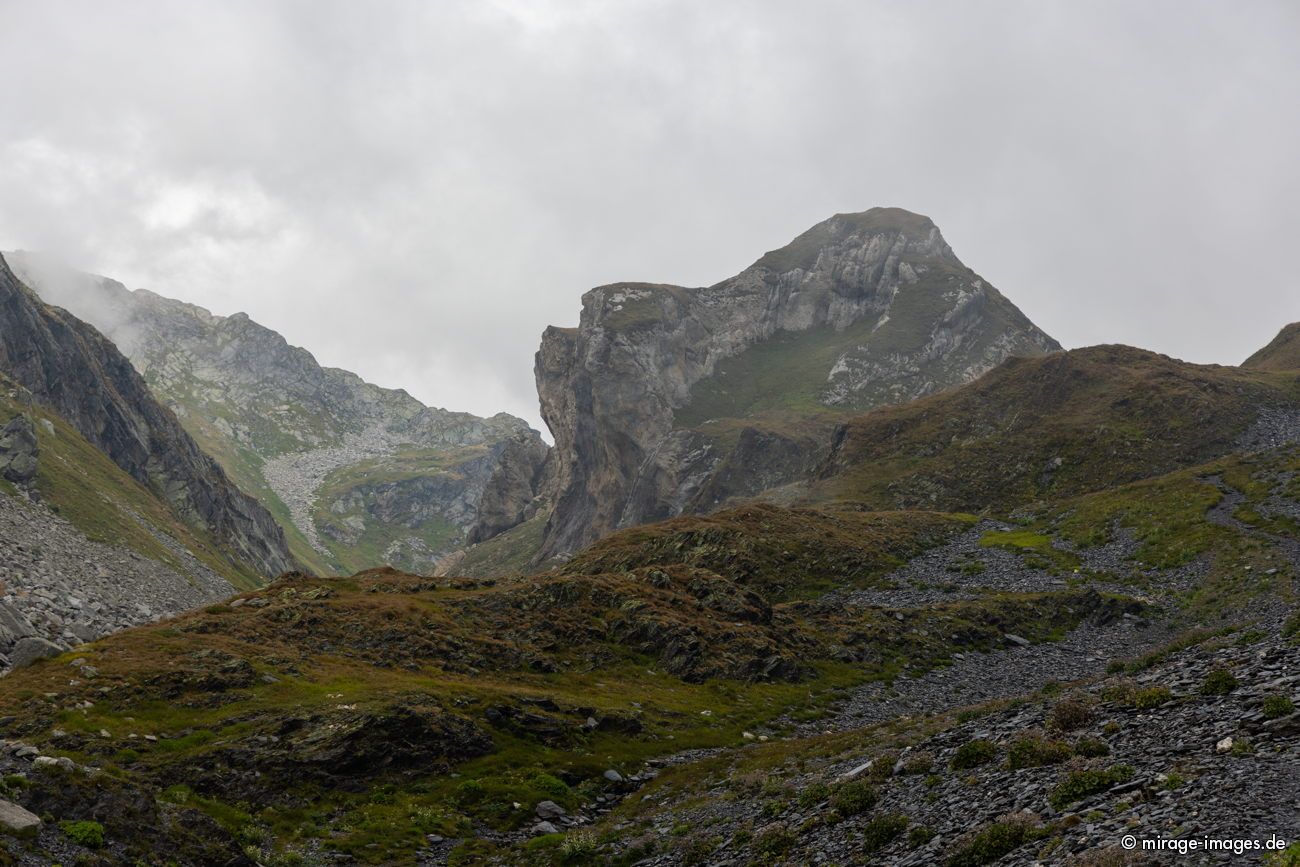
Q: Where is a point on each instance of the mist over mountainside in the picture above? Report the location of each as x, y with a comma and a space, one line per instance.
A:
73, 370
667, 400
356, 474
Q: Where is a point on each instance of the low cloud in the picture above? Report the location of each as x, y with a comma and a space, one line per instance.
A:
413, 190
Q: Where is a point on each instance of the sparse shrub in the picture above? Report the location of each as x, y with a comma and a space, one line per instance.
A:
1033, 750
549, 785
698, 849
1288, 857
1242, 747
995, 840
919, 836
1219, 682
1091, 748
972, 754
917, 763
1152, 696
1071, 713
1078, 785
1277, 706
578, 846
853, 797
881, 831
1291, 629
774, 840
813, 794
469, 791
84, 833
1119, 690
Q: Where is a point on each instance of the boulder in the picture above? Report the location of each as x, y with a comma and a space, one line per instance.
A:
32, 649
16, 820
18, 450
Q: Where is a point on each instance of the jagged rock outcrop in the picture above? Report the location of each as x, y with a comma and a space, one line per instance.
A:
312, 441
1282, 353
72, 369
666, 399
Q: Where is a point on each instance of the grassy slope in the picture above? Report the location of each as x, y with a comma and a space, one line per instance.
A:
89, 490
787, 372
1282, 353
1110, 414
648, 649
508, 553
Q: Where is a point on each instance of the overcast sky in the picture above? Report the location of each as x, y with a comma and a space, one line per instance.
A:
414, 190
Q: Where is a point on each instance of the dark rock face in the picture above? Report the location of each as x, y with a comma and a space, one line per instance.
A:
18, 451
509, 497
873, 309
75, 371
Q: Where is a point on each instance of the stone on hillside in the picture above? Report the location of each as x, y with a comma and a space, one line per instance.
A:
542, 828
549, 810
1017, 640
18, 450
613, 776
32, 649
16, 820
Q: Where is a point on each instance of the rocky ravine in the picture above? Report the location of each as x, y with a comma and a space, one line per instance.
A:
873, 308
280, 424
73, 370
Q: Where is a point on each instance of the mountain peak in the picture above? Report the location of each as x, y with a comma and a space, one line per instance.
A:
919, 233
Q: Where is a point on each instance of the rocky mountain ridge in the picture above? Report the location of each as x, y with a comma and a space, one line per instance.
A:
666, 399
286, 428
67, 366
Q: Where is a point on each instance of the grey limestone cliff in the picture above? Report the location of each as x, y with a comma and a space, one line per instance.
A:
666, 399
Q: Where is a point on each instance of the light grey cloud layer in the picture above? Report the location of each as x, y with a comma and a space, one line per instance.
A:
412, 190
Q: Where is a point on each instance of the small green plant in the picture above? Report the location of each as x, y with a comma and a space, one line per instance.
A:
1288, 857
84, 832
1078, 785
1071, 713
972, 754
853, 797
1242, 747
1219, 682
1033, 750
12, 784
698, 849
774, 840
812, 794
469, 791
881, 831
919, 836
578, 846
1091, 748
1152, 696
1277, 706
917, 763
993, 841
549, 785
